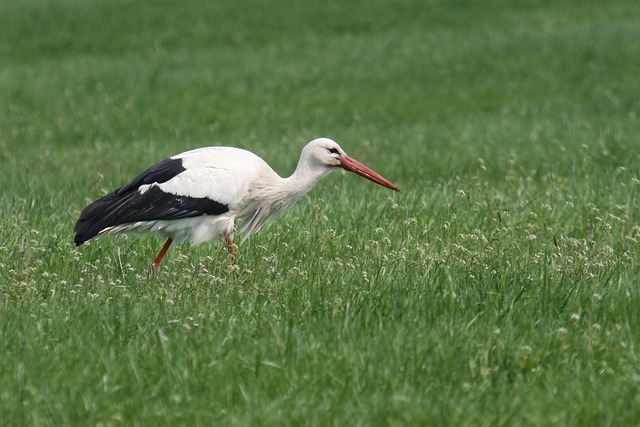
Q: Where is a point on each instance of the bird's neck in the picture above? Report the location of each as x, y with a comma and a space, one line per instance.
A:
304, 178
281, 193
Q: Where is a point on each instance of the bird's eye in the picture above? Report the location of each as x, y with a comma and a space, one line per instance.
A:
333, 150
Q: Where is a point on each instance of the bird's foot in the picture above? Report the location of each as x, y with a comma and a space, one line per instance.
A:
153, 269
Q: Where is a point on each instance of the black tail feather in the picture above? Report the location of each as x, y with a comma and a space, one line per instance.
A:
98, 216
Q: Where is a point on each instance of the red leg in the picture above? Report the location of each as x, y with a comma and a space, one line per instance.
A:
230, 247
156, 262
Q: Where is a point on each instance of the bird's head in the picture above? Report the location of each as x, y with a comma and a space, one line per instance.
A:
327, 153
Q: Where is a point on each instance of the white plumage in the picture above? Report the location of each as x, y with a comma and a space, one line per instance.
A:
198, 195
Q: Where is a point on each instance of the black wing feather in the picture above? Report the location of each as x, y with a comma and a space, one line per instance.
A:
158, 173
126, 204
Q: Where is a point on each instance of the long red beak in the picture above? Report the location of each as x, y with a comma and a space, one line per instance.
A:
353, 165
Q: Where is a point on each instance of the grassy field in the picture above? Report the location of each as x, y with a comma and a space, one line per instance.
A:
500, 287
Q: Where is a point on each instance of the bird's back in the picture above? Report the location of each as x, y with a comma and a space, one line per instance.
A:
219, 173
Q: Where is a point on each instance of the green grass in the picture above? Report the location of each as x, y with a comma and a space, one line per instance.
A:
500, 287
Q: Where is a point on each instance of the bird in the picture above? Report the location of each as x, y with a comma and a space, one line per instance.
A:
198, 195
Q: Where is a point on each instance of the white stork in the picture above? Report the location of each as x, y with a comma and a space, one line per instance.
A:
197, 195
